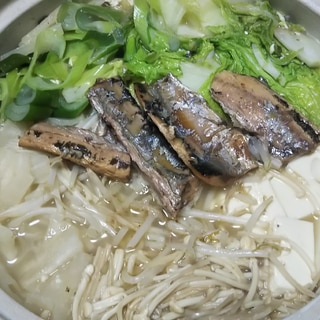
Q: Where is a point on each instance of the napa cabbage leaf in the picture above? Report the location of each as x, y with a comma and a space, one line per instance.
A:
191, 39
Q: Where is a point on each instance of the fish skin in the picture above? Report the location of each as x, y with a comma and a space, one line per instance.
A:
214, 152
173, 181
83, 147
254, 107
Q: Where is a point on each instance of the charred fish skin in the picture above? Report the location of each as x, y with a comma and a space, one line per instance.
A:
80, 146
214, 152
254, 107
172, 180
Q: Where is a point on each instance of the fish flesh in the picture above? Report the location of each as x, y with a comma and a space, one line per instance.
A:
102, 154
214, 152
173, 181
255, 108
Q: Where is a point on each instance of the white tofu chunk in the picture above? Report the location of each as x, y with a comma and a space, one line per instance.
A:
317, 244
308, 168
259, 190
302, 233
293, 206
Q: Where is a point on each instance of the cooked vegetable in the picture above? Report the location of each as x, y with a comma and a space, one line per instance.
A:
68, 56
13, 61
153, 38
306, 46
242, 251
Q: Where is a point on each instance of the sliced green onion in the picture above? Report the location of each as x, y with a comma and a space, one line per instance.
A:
28, 95
104, 45
140, 16
69, 110
79, 64
93, 17
66, 15
52, 68
27, 112
50, 40
12, 62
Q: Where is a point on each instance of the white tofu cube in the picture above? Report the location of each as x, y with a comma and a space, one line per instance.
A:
302, 233
259, 190
292, 206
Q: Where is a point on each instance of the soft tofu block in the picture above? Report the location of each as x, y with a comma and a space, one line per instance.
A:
302, 233
317, 243
293, 206
307, 168
259, 189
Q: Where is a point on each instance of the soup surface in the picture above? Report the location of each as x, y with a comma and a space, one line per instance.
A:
104, 247
77, 245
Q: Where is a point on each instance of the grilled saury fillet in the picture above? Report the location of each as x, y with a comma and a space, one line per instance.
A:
214, 152
103, 155
172, 180
254, 107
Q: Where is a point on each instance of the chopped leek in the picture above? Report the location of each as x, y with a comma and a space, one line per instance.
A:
12, 62
27, 112
152, 38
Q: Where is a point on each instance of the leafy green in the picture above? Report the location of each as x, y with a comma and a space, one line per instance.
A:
191, 39
12, 62
67, 59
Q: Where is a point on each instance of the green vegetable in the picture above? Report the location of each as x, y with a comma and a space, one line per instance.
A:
27, 112
191, 39
69, 110
27, 95
67, 59
33, 105
9, 88
12, 62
